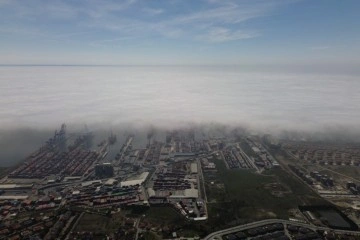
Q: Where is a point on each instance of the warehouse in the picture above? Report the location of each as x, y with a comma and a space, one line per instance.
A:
136, 181
15, 186
194, 168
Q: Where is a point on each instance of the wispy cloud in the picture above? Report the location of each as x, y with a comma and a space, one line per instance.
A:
153, 11
106, 42
217, 23
219, 34
57, 9
225, 14
210, 21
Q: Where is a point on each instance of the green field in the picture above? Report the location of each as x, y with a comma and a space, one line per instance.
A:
163, 215
350, 171
99, 224
245, 199
3, 171
149, 236
302, 194
171, 221
92, 223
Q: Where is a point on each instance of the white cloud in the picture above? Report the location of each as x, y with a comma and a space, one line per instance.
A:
153, 11
219, 34
120, 18
196, 24
106, 42
57, 9
229, 14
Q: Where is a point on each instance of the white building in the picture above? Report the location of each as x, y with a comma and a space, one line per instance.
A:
136, 181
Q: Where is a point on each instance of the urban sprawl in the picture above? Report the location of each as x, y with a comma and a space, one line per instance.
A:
75, 188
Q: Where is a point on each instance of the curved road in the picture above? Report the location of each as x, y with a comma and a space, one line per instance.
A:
218, 234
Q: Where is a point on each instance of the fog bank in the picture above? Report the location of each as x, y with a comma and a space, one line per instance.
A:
44, 97
276, 101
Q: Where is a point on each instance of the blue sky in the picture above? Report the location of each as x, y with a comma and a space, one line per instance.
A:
324, 32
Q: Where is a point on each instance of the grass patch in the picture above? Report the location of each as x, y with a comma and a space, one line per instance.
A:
149, 236
99, 224
3, 171
169, 220
92, 223
350, 171
163, 215
302, 194
245, 198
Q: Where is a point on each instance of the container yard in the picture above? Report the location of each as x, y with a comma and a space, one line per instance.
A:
49, 162
235, 158
55, 159
177, 184
69, 178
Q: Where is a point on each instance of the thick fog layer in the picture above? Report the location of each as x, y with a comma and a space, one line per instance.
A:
36, 100
47, 96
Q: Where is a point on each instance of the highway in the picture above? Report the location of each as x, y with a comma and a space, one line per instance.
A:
218, 234
137, 228
201, 184
74, 226
247, 158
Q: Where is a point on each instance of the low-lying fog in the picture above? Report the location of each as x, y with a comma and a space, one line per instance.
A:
36, 100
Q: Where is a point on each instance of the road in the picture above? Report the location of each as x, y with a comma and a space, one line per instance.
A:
137, 228
202, 179
223, 158
330, 170
324, 196
201, 184
247, 158
285, 166
218, 234
74, 226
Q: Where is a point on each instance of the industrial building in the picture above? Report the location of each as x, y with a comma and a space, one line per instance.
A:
104, 170
135, 181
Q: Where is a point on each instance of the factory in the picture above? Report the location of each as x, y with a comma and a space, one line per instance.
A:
194, 168
177, 184
15, 186
104, 170
54, 159
135, 181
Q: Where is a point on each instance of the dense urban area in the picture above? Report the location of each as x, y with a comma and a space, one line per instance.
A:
182, 184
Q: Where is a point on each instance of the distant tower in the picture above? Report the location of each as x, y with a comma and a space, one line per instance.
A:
112, 138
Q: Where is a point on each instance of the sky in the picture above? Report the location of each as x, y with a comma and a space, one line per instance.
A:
298, 32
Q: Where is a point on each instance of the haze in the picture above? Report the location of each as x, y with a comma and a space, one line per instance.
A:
266, 65
46, 96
